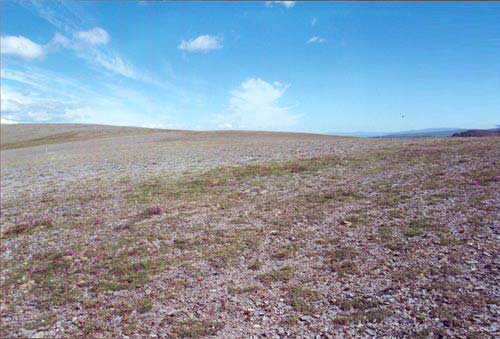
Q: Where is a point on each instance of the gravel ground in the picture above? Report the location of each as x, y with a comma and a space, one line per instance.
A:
175, 234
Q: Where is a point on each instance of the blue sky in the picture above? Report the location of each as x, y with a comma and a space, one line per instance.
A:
290, 66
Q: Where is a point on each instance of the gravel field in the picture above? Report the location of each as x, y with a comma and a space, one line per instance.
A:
126, 232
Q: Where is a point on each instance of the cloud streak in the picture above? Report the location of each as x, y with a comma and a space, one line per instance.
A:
203, 43
21, 47
94, 36
286, 4
31, 107
254, 105
316, 40
24, 48
87, 43
123, 95
5, 121
30, 94
112, 63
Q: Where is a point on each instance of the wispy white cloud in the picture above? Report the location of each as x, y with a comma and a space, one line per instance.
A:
203, 43
82, 44
62, 15
11, 99
314, 21
21, 47
138, 97
287, 4
31, 94
31, 106
94, 36
5, 121
112, 63
316, 40
60, 40
37, 80
88, 44
255, 106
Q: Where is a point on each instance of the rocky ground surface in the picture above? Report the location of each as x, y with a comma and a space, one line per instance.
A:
179, 234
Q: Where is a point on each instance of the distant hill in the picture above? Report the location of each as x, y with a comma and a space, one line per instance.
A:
478, 133
360, 134
425, 133
16, 136
421, 133
28, 135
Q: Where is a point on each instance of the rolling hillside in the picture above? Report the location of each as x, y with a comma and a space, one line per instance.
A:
28, 135
124, 232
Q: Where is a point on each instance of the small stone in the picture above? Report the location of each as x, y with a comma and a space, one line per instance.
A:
370, 331
306, 318
27, 285
249, 311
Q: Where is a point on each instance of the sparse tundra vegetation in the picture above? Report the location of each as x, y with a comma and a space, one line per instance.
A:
129, 232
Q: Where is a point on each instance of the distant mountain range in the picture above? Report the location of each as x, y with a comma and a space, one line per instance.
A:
424, 133
478, 133
421, 133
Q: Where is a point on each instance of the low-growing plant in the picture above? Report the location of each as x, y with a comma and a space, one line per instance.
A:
145, 305
243, 290
372, 315
156, 210
285, 252
255, 265
283, 274
347, 267
343, 253
194, 328
300, 298
360, 303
